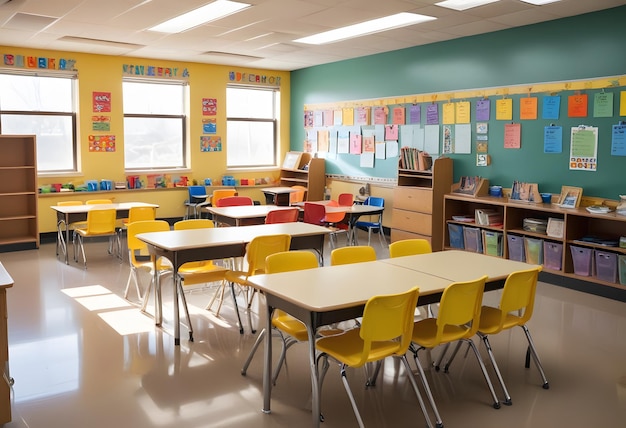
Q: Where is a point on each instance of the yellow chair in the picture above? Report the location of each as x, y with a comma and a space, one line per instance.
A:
385, 332
290, 329
258, 249
297, 195
515, 309
409, 247
459, 314
62, 227
100, 223
83, 224
136, 214
353, 254
198, 272
137, 248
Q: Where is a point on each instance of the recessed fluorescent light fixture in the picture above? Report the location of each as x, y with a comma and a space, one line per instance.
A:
463, 4
210, 12
368, 27
540, 2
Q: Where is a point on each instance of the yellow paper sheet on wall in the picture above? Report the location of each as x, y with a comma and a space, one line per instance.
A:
463, 112
504, 109
348, 116
622, 103
528, 108
448, 113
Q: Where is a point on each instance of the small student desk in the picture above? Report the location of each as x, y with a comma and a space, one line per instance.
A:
332, 294
182, 246
277, 195
243, 215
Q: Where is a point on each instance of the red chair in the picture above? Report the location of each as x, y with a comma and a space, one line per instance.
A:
234, 201
282, 216
345, 199
314, 213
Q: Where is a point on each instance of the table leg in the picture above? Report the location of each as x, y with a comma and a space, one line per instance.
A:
315, 389
158, 303
176, 310
267, 362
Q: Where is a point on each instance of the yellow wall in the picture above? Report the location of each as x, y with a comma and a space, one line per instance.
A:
99, 73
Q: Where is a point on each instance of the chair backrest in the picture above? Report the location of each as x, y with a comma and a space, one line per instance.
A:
234, 201
374, 201
141, 214
386, 318
352, 254
287, 261
197, 192
297, 195
332, 218
282, 216
98, 201
69, 203
314, 213
221, 193
345, 199
459, 310
101, 221
262, 246
409, 247
519, 294
194, 223
144, 226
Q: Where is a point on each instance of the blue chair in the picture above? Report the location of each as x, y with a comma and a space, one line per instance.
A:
376, 226
197, 199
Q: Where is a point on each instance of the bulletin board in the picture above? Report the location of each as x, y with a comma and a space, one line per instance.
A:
560, 127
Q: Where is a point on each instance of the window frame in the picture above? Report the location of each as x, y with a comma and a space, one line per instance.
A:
73, 115
184, 117
275, 90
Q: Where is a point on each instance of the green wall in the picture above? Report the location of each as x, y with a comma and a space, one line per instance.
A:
582, 47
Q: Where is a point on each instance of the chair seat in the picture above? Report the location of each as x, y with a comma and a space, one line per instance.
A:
290, 325
425, 333
200, 272
367, 224
348, 348
490, 320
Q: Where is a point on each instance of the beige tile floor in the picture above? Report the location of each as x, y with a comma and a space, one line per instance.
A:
82, 356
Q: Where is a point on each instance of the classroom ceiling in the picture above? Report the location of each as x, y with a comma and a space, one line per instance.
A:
261, 36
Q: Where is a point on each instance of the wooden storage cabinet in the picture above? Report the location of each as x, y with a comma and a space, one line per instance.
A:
578, 223
418, 203
313, 178
18, 192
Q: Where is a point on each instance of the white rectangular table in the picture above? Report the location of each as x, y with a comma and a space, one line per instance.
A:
243, 215
73, 213
327, 295
182, 246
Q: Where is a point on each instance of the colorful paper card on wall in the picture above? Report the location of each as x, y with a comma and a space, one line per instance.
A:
584, 148
448, 113
551, 107
102, 143
209, 106
483, 109
329, 117
318, 118
209, 126
512, 135
618, 140
363, 116
399, 115
381, 150
463, 138
101, 102
322, 140
528, 108
343, 141
432, 114
348, 116
391, 132
448, 139
380, 115
603, 104
415, 114
210, 144
553, 139
368, 144
577, 105
337, 117
622, 103
463, 112
504, 109
308, 118
101, 123
355, 143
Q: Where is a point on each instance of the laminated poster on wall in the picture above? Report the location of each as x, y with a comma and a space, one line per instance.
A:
584, 148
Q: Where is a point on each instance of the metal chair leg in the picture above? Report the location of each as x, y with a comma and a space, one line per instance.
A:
533, 353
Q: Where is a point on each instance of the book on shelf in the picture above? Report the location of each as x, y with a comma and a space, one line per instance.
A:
488, 217
415, 159
492, 243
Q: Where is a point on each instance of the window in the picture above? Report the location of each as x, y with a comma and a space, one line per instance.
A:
252, 118
154, 124
44, 106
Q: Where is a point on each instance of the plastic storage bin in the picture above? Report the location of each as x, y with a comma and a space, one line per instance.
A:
515, 245
473, 239
582, 258
621, 268
533, 248
552, 255
606, 266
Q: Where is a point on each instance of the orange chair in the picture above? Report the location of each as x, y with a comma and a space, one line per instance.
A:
334, 221
282, 216
234, 201
298, 195
221, 193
